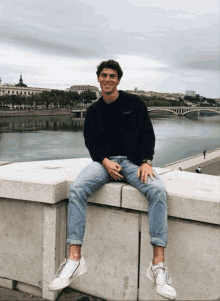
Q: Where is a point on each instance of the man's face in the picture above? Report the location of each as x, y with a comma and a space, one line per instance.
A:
108, 80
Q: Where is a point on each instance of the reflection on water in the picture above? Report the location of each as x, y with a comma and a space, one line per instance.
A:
48, 123
61, 137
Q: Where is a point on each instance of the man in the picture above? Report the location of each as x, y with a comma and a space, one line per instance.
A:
204, 153
120, 138
198, 170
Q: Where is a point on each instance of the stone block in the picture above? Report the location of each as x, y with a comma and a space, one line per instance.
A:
41, 181
32, 243
53, 244
111, 251
190, 196
133, 199
109, 194
192, 256
7, 283
21, 229
43, 191
30, 289
193, 196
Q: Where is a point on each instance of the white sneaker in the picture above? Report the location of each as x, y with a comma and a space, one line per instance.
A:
158, 274
67, 272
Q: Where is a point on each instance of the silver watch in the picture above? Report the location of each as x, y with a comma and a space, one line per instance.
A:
147, 161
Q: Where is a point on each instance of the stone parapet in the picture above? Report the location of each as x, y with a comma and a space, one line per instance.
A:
33, 222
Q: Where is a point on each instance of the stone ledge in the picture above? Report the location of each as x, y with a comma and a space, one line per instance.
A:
4, 163
190, 196
38, 191
109, 194
40, 181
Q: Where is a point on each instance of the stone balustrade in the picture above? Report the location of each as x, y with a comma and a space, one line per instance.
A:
33, 227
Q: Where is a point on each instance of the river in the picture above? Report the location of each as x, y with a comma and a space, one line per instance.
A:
38, 138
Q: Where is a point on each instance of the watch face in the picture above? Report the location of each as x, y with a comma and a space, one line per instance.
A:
149, 162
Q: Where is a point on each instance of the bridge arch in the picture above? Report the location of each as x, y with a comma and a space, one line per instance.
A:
162, 109
201, 109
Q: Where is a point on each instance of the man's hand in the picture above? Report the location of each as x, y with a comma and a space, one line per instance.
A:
112, 168
144, 171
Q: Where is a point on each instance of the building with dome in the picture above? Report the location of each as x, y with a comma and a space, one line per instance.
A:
21, 84
20, 89
24, 90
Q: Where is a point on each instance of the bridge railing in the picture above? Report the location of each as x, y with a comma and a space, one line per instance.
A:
33, 223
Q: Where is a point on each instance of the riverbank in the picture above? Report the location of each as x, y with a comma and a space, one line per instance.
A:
22, 113
210, 165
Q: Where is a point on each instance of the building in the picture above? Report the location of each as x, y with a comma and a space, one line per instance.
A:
20, 89
190, 93
82, 88
23, 90
21, 84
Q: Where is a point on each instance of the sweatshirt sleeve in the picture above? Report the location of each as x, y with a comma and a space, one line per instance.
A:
93, 142
147, 135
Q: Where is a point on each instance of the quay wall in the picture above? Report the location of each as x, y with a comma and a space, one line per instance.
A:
33, 232
21, 113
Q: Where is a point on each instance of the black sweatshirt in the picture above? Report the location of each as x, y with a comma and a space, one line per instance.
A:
122, 128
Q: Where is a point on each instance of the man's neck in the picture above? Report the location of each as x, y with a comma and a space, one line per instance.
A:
110, 98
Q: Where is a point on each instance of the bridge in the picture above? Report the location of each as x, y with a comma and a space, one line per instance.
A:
180, 111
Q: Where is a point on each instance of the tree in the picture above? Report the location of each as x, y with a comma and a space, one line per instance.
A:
45, 98
88, 96
59, 100
55, 100
74, 98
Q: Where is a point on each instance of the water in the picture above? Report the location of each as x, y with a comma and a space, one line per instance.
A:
25, 139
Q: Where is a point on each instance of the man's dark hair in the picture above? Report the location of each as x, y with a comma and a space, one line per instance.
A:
111, 64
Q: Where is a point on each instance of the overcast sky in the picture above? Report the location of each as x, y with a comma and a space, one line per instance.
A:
161, 45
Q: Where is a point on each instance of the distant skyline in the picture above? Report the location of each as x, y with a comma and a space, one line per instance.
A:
167, 46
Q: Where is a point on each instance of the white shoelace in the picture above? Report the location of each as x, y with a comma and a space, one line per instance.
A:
166, 277
64, 268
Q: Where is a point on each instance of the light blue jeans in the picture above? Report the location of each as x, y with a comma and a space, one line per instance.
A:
94, 176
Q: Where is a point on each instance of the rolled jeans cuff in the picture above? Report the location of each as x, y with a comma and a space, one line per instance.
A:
72, 241
158, 242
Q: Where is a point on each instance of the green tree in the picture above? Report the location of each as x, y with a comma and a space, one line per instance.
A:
59, 100
55, 101
88, 96
74, 98
45, 98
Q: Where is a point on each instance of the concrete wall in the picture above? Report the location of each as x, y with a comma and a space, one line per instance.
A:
33, 216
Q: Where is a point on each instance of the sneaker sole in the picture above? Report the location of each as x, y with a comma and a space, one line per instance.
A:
165, 296
63, 285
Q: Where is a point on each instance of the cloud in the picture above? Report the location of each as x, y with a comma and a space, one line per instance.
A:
201, 60
48, 45
157, 37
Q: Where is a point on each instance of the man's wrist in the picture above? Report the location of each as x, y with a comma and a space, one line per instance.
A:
104, 160
147, 161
